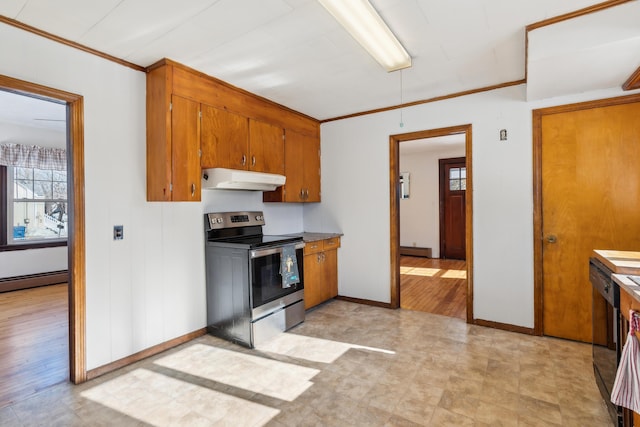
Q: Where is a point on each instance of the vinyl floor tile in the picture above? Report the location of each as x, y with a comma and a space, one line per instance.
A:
346, 365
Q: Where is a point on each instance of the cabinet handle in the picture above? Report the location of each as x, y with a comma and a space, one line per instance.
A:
253, 160
301, 194
319, 258
244, 160
324, 257
306, 194
193, 190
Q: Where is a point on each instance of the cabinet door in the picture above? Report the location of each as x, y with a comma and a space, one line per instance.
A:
311, 155
293, 167
224, 139
330, 267
185, 149
313, 280
266, 147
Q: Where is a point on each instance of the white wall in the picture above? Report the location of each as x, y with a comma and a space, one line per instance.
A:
150, 287
355, 194
420, 213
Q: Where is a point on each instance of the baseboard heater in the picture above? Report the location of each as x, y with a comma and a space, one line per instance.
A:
413, 251
33, 280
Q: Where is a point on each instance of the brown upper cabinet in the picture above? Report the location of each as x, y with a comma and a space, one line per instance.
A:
195, 121
302, 169
173, 164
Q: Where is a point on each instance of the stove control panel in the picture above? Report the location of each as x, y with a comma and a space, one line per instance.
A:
218, 220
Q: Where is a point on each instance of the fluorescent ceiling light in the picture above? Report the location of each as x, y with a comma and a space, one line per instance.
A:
367, 27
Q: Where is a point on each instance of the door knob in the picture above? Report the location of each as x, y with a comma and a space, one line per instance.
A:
552, 238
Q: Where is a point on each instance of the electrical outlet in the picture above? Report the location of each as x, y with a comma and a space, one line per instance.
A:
118, 232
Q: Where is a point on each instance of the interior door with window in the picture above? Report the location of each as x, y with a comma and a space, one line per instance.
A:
453, 185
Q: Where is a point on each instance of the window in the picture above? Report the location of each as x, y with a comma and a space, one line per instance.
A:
36, 205
458, 179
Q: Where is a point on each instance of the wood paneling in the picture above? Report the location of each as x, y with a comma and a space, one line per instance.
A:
590, 198
394, 235
434, 286
34, 341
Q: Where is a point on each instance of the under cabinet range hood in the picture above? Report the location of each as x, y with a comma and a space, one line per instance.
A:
231, 179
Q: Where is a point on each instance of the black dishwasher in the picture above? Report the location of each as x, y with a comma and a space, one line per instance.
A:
606, 332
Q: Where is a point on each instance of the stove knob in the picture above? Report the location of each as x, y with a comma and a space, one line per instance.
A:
219, 220
259, 217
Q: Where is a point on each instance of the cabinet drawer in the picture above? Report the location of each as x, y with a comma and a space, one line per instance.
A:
332, 243
313, 247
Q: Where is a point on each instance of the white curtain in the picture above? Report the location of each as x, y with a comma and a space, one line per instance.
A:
33, 156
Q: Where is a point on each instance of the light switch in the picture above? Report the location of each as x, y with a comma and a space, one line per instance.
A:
118, 232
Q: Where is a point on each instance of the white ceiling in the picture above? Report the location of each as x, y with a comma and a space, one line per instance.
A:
294, 53
25, 111
433, 144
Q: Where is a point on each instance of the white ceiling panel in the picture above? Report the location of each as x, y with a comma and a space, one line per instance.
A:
11, 8
69, 19
598, 50
294, 53
132, 25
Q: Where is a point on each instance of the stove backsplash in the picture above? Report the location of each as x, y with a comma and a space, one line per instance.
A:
280, 218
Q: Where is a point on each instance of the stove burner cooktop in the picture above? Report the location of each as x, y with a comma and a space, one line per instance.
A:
252, 242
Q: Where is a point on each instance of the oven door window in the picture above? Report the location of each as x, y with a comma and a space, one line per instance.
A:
266, 280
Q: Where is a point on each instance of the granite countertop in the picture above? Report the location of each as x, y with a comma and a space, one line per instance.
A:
309, 236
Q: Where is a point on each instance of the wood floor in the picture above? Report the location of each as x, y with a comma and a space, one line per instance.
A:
34, 343
434, 285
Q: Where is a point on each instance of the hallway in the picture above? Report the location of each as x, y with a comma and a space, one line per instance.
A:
437, 286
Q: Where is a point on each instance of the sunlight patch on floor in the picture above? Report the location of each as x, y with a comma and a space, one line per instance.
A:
454, 274
269, 377
312, 349
419, 271
160, 400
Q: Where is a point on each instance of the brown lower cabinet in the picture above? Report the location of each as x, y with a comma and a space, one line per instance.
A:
320, 271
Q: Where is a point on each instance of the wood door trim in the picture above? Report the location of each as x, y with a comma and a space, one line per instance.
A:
633, 82
394, 207
441, 190
537, 116
76, 239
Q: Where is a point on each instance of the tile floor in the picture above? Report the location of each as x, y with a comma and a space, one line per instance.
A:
347, 365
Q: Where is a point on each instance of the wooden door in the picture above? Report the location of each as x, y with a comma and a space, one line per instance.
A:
330, 266
453, 185
185, 148
590, 192
311, 155
224, 139
266, 147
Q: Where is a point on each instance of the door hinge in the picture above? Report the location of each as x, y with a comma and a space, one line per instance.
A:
199, 153
171, 106
200, 115
171, 188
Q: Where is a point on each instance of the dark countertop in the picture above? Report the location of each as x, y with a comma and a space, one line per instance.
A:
309, 236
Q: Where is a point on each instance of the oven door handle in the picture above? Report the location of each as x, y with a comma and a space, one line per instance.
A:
258, 253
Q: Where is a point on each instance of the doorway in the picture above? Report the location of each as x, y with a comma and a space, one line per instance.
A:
76, 223
395, 191
586, 197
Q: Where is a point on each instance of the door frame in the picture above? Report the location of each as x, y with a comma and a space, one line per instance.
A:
537, 115
394, 196
443, 181
76, 235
